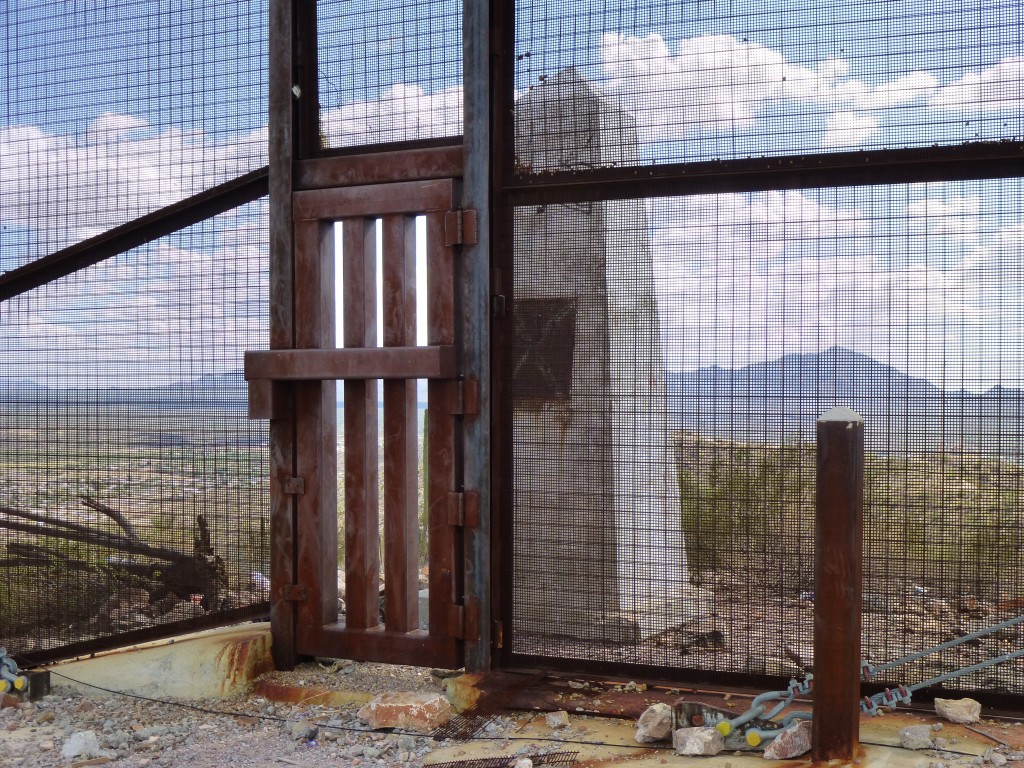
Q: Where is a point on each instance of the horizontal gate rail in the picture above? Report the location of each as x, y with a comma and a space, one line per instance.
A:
140, 231
375, 363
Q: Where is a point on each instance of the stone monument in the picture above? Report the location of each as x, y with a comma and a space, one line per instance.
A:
598, 551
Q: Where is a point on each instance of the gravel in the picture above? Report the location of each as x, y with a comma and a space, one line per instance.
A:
73, 730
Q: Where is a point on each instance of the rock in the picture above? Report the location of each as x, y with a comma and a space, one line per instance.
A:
963, 711
559, 719
523, 763
420, 711
654, 724
792, 742
81, 744
995, 758
304, 730
704, 741
916, 737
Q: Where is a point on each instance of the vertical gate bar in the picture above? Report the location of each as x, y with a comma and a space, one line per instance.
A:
362, 513
838, 585
487, 104
281, 141
401, 609
445, 574
316, 427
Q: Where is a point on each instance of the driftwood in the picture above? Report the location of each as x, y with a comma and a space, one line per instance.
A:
169, 571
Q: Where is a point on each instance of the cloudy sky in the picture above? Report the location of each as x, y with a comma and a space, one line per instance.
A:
925, 277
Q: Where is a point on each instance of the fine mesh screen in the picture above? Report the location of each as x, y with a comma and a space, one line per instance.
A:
121, 394
114, 108
726, 80
390, 71
670, 359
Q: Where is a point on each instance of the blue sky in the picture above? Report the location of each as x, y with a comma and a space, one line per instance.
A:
148, 118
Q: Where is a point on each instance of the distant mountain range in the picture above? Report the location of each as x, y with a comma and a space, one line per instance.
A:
227, 390
780, 400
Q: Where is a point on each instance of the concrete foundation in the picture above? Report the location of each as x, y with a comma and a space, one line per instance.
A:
203, 665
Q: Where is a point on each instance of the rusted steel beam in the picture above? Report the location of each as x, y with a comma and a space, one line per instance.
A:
316, 428
132, 234
406, 197
958, 162
282, 149
382, 646
401, 546
377, 363
445, 536
483, 37
362, 503
837, 585
381, 167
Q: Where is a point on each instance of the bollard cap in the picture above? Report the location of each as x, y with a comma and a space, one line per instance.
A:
842, 414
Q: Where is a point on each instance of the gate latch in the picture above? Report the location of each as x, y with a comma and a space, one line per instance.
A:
294, 486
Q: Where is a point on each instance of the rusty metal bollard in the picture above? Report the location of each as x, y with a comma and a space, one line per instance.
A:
838, 585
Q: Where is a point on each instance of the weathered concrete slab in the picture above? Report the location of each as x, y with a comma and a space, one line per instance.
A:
208, 664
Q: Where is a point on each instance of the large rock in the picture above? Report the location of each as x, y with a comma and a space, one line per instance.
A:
963, 711
792, 742
916, 737
704, 741
419, 711
654, 724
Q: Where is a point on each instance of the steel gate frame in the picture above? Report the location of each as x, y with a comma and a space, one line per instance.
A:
308, 187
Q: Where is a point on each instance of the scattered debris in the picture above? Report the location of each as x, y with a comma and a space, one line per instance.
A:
559, 719
963, 711
916, 737
792, 742
655, 724
418, 711
82, 744
995, 758
703, 741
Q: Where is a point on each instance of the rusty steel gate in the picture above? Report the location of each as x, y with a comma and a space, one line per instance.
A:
312, 367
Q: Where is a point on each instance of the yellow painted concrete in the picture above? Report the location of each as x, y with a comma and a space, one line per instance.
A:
209, 664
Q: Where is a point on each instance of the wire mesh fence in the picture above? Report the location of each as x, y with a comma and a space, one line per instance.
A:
115, 108
670, 357
390, 71
725, 80
132, 483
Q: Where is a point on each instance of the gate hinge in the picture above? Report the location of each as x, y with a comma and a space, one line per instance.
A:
468, 400
296, 593
460, 227
464, 621
295, 486
464, 509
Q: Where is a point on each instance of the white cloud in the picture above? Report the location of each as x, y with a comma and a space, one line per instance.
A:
718, 82
736, 285
849, 129
1000, 86
68, 187
169, 312
954, 217
403, 113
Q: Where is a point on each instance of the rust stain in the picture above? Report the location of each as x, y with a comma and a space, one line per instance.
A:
244, 658
311, 695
